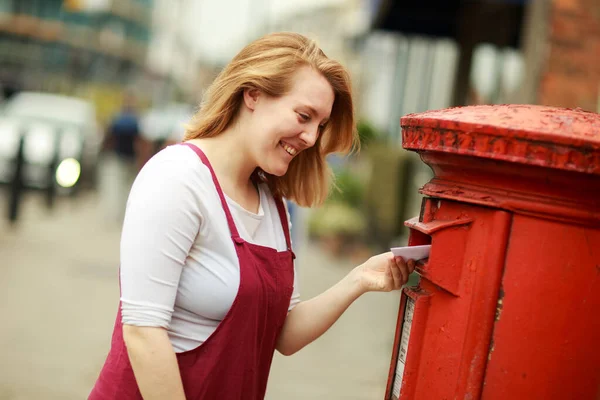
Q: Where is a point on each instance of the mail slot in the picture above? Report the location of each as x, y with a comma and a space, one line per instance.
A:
508, 304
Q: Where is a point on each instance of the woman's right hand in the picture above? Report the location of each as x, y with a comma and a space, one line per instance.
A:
383, 273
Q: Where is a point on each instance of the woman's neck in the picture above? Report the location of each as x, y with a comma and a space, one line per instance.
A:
229, 159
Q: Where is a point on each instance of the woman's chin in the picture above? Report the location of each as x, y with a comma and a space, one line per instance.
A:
277, 170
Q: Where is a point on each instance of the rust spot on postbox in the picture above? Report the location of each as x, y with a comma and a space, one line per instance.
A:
491, 350
499, 304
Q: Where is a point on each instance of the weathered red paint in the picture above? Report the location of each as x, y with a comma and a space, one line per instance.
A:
533, 135
509, 300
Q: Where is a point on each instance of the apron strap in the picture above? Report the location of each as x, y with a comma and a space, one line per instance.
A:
284, 221
232, 227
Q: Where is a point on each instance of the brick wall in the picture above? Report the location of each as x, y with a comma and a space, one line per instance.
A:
570, 77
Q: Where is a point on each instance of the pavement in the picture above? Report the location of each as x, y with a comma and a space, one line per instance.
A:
59, 295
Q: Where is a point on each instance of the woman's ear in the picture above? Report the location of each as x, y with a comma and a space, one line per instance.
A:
251, 98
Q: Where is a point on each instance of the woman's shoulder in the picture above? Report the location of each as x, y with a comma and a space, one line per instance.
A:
176, 153
175, 168
174, 160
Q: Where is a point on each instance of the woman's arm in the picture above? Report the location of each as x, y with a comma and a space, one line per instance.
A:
154, 363
162, 221
311, 318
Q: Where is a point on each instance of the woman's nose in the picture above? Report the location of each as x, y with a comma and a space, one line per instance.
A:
309, 136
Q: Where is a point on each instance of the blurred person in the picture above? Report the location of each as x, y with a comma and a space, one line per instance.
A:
163, 126
208, 284
124, 153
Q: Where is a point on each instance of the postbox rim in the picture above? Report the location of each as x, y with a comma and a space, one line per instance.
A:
529, 134
521, 121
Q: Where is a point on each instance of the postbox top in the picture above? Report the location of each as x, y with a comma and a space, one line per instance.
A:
528, 134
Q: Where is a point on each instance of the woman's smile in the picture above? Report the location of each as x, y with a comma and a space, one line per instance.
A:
292, 151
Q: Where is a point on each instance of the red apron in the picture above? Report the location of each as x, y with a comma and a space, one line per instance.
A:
234, 362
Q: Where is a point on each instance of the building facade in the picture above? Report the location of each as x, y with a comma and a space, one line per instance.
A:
89, 48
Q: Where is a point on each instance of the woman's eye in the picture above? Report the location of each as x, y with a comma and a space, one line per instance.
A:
304, 117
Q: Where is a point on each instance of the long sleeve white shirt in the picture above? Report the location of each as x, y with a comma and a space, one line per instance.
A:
179, 268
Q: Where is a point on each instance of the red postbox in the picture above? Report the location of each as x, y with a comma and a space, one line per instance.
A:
508, 304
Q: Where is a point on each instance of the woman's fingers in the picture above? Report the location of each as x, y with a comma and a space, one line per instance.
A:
396, 274
411, 266
403, 271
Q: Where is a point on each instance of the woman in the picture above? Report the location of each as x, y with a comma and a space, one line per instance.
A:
208, 287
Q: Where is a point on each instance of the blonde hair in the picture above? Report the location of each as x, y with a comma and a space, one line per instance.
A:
268, 64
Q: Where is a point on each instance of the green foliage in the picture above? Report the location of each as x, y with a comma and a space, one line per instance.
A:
367, 133
343, 212
349, 190
337, 219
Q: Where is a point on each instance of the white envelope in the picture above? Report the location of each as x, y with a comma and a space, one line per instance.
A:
412, 252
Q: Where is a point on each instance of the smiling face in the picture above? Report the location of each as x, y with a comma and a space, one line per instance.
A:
284, 126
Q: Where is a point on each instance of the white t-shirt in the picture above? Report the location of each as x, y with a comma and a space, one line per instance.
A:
179, 268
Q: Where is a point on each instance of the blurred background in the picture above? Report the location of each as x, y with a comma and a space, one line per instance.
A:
90, 89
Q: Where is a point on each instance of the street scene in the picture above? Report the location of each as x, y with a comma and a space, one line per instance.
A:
478, 124
60, 294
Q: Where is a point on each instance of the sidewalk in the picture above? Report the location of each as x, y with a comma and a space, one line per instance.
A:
351, 360
59, 296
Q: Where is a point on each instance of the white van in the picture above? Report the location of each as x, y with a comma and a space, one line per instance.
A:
55, 128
